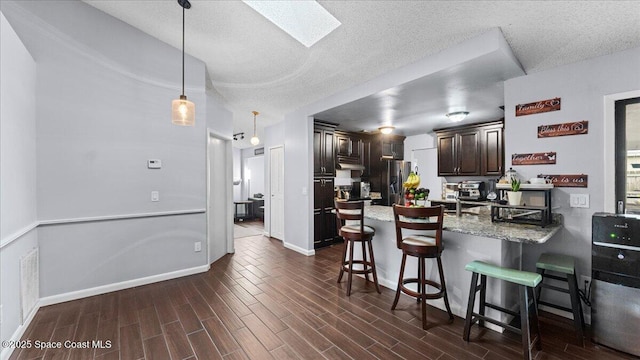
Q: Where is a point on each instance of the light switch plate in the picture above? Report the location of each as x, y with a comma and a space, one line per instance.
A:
579, 200
155, 196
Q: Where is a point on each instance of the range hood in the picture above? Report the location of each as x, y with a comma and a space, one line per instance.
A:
349, 166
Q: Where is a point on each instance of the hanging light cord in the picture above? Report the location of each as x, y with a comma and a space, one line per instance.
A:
254, 123
183, 10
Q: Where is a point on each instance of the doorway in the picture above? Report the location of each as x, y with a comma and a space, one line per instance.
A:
276, 191
627, 162
219, 196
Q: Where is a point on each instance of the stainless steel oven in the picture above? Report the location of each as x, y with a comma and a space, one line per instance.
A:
615, 305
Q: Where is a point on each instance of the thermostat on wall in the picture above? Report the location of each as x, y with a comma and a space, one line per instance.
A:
154, 164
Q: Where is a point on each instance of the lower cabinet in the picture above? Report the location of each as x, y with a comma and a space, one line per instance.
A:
324, 220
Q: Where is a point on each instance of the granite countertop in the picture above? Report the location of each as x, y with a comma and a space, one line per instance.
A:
478, 222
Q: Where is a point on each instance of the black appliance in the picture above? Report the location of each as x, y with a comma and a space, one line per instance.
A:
471, 190
615, 304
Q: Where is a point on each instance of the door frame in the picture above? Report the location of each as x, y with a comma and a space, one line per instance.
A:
228, 200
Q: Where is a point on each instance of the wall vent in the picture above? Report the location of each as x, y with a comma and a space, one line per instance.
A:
29, 283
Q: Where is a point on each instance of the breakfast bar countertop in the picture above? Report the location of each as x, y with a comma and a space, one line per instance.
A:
477, 222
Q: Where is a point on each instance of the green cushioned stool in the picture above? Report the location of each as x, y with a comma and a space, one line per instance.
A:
526, 281
565, 265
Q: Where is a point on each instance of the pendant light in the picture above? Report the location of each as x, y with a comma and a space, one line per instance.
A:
183, 111
254, 140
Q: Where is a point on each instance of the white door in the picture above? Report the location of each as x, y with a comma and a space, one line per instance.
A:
276, 187
219, 187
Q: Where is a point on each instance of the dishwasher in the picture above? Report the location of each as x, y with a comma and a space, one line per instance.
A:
615, 287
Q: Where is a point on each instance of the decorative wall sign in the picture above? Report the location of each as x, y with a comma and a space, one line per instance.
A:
258, 151
538, 107
534, 158
581, 180
572, 128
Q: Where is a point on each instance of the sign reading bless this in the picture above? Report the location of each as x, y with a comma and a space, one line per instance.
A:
581, 180
571, 128
538, 107
533, 159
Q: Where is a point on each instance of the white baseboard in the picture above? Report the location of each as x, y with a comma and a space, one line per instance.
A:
298, 249
17, 335
74, 295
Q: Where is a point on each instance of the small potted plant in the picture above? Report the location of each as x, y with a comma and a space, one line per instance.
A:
515, 195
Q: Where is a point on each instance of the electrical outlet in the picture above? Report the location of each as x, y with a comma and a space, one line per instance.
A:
197, 246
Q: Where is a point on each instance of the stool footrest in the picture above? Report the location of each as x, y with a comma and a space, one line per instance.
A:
477, 317
559, 307
552, 287
500, 308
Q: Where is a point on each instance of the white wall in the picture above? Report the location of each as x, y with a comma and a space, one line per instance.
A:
18, 213
582, 87
103, 110
237, 174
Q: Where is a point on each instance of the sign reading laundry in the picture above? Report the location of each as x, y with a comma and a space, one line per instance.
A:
572, 128
533, 159
538, 107
581, 180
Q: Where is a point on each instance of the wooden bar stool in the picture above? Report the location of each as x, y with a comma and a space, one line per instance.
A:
352, 234
425, 242
562, 264
527, 282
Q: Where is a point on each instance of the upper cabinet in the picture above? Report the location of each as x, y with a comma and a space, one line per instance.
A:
349, 147
471, 150
392, 147
323, 149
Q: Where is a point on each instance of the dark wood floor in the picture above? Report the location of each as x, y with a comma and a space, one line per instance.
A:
267, 302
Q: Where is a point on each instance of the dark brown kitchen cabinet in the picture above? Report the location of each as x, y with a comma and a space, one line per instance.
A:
471, 150
349, 147
492, 149
392, 147
323, 149
324, 220
459, 152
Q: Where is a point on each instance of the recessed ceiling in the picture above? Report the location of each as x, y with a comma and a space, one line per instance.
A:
254, 65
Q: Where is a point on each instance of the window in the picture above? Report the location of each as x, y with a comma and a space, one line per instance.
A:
627, 180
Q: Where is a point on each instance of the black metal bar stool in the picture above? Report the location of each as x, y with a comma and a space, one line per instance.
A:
425, 242
527, 282
562, 264
352, 234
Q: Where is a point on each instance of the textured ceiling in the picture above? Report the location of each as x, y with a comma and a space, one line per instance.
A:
256, 66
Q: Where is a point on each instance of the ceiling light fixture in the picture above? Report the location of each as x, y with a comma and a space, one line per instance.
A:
183, 111
387, 129
457, 116
239, 135
254, 140
305, 21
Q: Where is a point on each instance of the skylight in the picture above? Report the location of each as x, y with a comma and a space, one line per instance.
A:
305, 21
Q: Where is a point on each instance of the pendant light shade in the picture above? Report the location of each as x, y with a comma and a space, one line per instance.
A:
183, 111
254, 140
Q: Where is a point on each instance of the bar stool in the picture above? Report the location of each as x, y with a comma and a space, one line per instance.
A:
352, 234
527, 282
423, 246
562, 264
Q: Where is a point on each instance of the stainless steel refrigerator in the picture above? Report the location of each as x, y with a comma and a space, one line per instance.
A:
394, 173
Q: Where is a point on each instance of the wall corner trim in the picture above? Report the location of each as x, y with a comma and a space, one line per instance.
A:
18, 234
298, 249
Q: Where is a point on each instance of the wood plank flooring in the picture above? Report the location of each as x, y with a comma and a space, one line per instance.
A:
268, 302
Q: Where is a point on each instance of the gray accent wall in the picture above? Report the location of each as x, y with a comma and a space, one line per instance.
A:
103, 91
18, 213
